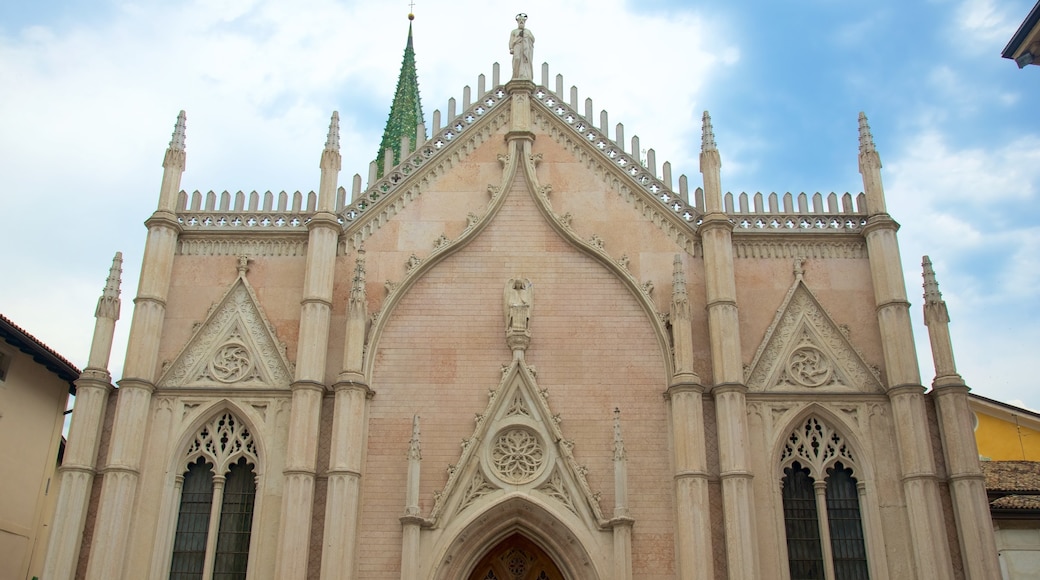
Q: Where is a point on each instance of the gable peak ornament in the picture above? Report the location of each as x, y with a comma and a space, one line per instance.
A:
521, 46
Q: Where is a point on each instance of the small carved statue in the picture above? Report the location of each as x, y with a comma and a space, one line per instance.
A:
521, 46
519, 294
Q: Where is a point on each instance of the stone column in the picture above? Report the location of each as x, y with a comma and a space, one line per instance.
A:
308, 387
621, 522
348, 439
920, 485
729, 391
823, 521
122, 471
685, 394
77, 468
967, 484
411, 520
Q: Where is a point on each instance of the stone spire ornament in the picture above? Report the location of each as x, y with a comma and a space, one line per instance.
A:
521, 46
332, 140
870, 169
711, 166
109, 304
405, 112
177, 141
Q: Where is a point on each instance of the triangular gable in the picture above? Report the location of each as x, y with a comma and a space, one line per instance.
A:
623, 171
805, 351
517, 445
235, 347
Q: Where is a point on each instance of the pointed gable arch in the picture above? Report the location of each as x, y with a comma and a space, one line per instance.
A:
236, 346
804, 350
517, 446
573, 550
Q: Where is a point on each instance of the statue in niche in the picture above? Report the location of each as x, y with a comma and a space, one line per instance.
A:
519, 295
521, 46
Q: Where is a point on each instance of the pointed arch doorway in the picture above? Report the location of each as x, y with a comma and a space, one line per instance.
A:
516, 558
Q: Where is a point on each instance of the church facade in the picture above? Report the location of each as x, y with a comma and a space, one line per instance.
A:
521, 352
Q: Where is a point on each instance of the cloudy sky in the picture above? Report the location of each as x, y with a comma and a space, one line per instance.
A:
89, 90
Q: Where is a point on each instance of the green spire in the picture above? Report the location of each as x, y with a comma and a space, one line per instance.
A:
406, 112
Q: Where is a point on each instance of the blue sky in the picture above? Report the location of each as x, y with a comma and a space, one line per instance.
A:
89, 92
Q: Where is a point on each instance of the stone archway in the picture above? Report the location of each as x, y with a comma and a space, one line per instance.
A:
516, 558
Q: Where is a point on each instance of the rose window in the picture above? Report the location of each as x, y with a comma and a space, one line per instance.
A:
517, 456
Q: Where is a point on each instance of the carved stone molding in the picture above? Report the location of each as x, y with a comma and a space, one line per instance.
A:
774, 248
678, 227
221, 245
363, 221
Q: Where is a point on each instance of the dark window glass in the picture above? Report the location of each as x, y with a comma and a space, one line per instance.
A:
236, 521
189, 545
804, 554
850, 552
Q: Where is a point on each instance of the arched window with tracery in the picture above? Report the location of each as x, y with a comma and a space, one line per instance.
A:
822, 498
217, 493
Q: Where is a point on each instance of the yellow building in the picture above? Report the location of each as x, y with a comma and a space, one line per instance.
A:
1008, 438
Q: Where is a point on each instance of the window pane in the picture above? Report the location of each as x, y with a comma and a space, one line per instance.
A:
850, 552
189, 544
236, 521
804, 554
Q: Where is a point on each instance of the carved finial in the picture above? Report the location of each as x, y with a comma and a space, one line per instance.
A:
109, 303
931, 285
799, 270
414, 451
707, 134
680, 298
332, 141
619, 443
243, 265
866, 140
358, 295
177, 142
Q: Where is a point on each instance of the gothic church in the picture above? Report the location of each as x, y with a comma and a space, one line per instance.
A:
520, 351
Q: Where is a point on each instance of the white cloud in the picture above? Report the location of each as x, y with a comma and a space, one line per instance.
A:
983, 25
964, 207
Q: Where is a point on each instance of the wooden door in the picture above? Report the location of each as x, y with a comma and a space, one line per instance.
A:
516, 558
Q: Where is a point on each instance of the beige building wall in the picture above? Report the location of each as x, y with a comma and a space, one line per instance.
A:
32, 406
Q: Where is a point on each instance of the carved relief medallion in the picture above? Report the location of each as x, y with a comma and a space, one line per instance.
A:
808, 366
231, 363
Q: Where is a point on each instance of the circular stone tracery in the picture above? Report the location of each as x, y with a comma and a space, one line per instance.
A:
809, 366
517, 456
231, 363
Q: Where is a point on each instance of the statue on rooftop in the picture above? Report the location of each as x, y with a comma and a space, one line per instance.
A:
521, 46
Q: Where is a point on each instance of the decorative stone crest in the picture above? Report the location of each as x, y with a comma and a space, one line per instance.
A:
817, 445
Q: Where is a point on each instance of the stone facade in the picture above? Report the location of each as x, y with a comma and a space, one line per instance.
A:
523, 328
